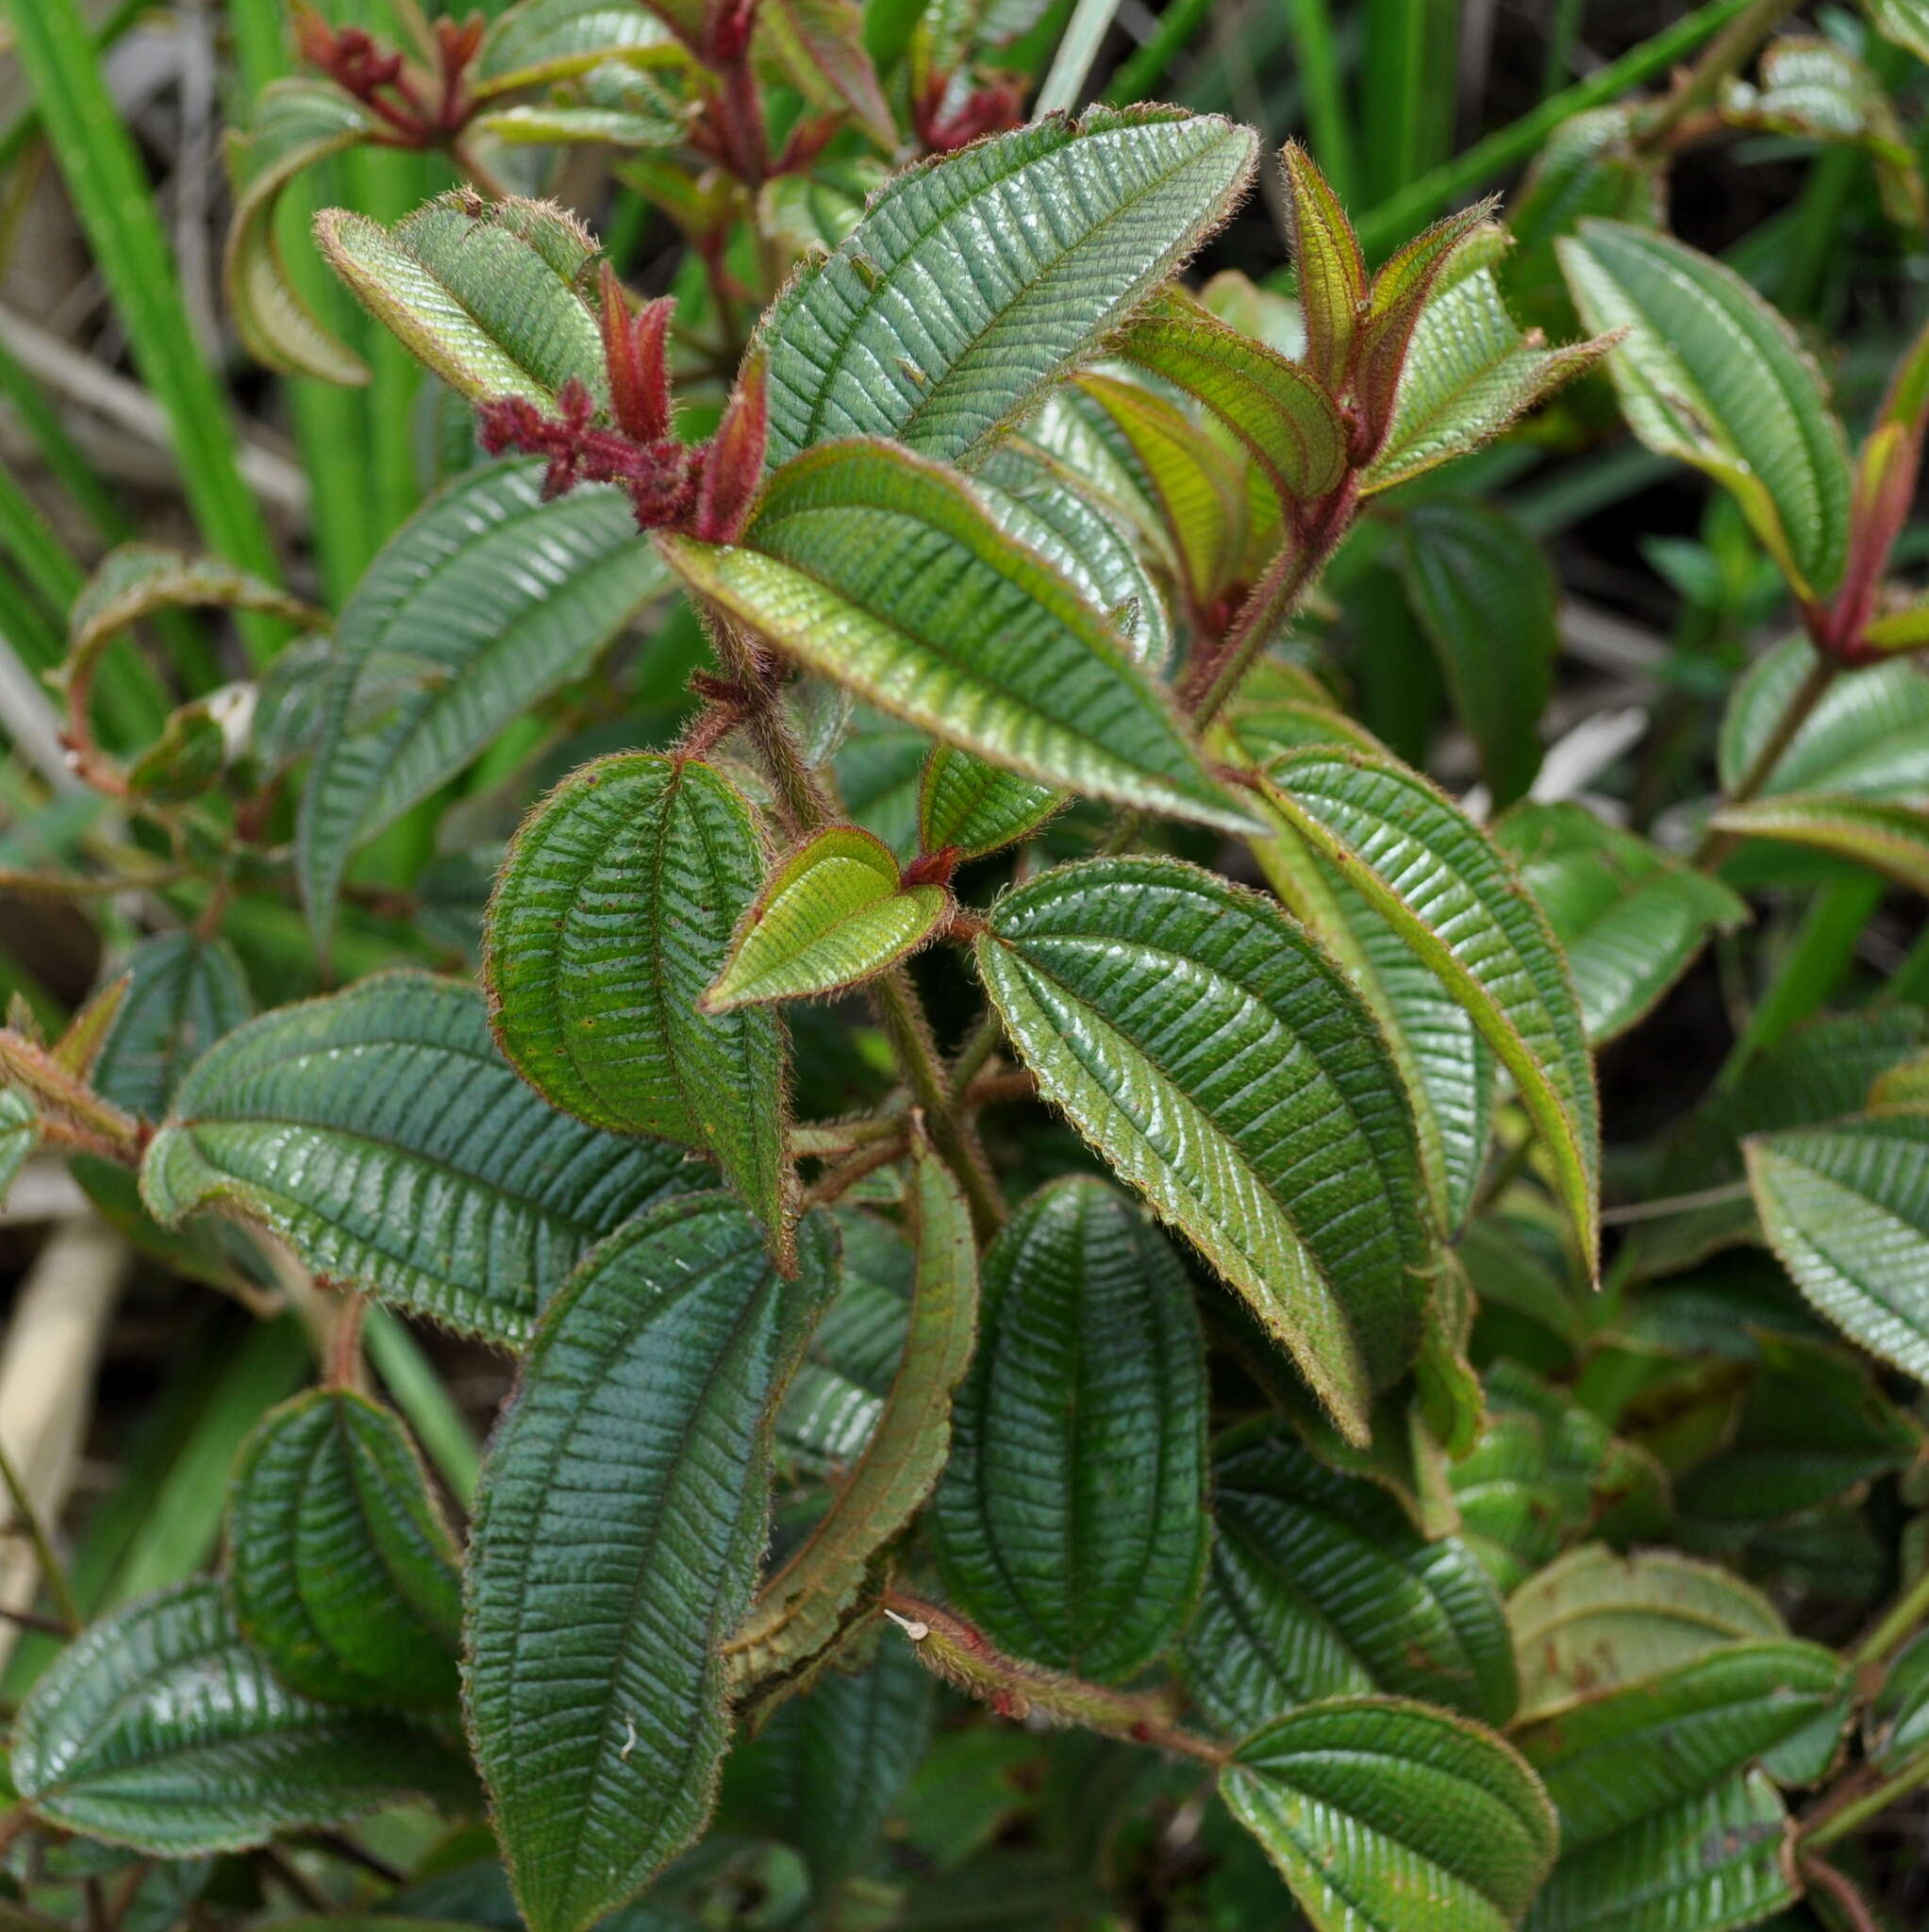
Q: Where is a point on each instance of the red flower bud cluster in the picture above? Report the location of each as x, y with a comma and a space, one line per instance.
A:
417, 110
704, 489
943, 124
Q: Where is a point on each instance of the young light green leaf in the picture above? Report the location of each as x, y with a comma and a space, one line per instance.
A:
834, 914
893, 578
1892, 839
613, 106
19, 1131
1484, 594
295, 123
1437, 880
612, 913
1905, 22
1332, 270
1470, 373
1868, 736
160, 1728
1448, 1069
1718, 1861
818, 45
1274, 406
1613, 1759
1709, 374
539, 40
1225, 1066
1593, 1621
801, 1609
1846, 1208
915, 328
342, 1571
1385, 1816
443, 1184
639, 1441
183, 994
1074, 1531
1816, 89
481, 604
1630, 919
1320, 1587
491, 295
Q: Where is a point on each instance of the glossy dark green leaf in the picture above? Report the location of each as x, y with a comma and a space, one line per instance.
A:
1436, 878
1070, 1524
1222, 1063
829, 1766
1447, 1066
160, 1728
1615, 1758
1846, 1208
1868, 736
1630, 919
1385, 1816
1484, 594
894, 577
492, 295
1319, 1586
623, 1512
380, 1132
1593, 1621
480, 606
184, 992
902, 1450
342, 1571
1718, 1861
1709, 374
612, 913
976, 279
1822, 1070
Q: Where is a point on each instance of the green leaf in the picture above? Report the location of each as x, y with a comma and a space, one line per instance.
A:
342, 1571
818, 47
1897, 1722
1630, 919
1819, 1073
1484, 594
481, 604
1071, 1521
918, 328
1225, 1066
1892, 839
183, 994
833, 914
160, 1729
612, 913
1447, 1067
380, 1132
1869, 736
801, 1609
550, 40
1716, 1862
1815, 90
1847, 1211
828, 1767
1470, 373
1613, 1759
1438, 880
1331, 271
1905, 22
491, 295
1385, 1816
1319, 1586
1593, 1621
1709, 374
613, 106
638, 1441
1284, 419
892, 576
295, 125
19, 1131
